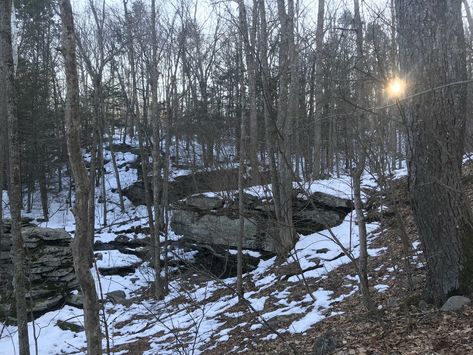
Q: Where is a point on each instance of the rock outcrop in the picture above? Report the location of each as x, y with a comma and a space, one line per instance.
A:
50, 272
195, 183
455, 303
212, 220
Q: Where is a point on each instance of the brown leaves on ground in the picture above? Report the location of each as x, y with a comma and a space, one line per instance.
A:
404, 323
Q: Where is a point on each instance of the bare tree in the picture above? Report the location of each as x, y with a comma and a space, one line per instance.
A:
360, 159
81, 243
249, 42
18, 252
243, 150
159, 289
284, 129
319, 90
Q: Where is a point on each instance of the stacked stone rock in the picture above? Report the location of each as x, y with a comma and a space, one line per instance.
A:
50, 275
212, 220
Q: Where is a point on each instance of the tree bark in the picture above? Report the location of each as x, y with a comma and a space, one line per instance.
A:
18, 252
468, 16
284, 130
249, 39
242, 157
435, 57
319, 43
156, 243
81, 243
360, 159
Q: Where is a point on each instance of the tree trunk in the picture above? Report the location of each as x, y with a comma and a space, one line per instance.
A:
361, 98
284, 130
81, 243
249, 39
156, 243
319, 43
436, 122
468, 16
115, 167
242, 157
18, 252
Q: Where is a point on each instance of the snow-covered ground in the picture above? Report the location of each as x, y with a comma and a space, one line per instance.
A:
193, 316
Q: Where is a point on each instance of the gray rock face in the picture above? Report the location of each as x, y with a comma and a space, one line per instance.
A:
196, 183
455, 303
203, 202
210, 220
117, 297
331, 201
76, 300
220, 229
50, 269
73, 327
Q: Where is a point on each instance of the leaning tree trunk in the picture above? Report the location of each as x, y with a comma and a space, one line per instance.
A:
436, 62
81, 243
18, 255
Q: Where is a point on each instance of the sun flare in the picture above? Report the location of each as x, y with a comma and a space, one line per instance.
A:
396, 87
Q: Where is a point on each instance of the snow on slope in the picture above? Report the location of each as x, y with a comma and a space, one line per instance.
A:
196, 314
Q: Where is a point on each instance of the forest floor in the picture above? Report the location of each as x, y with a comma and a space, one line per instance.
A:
287, 304
404, 323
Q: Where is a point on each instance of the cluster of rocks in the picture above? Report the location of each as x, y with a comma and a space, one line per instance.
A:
210, 219
49, 270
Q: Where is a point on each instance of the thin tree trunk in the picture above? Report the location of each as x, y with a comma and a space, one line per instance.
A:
91, 194
159, 291
284, 127
115, 168
249, 39
43, 187
319, 56
81, 243
242, 156
360, 162
18, 252
268, 104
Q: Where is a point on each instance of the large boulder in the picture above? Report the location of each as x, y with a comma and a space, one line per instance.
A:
136, 193
455, 303
215, 221
198, 182
50, 271
220, 229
